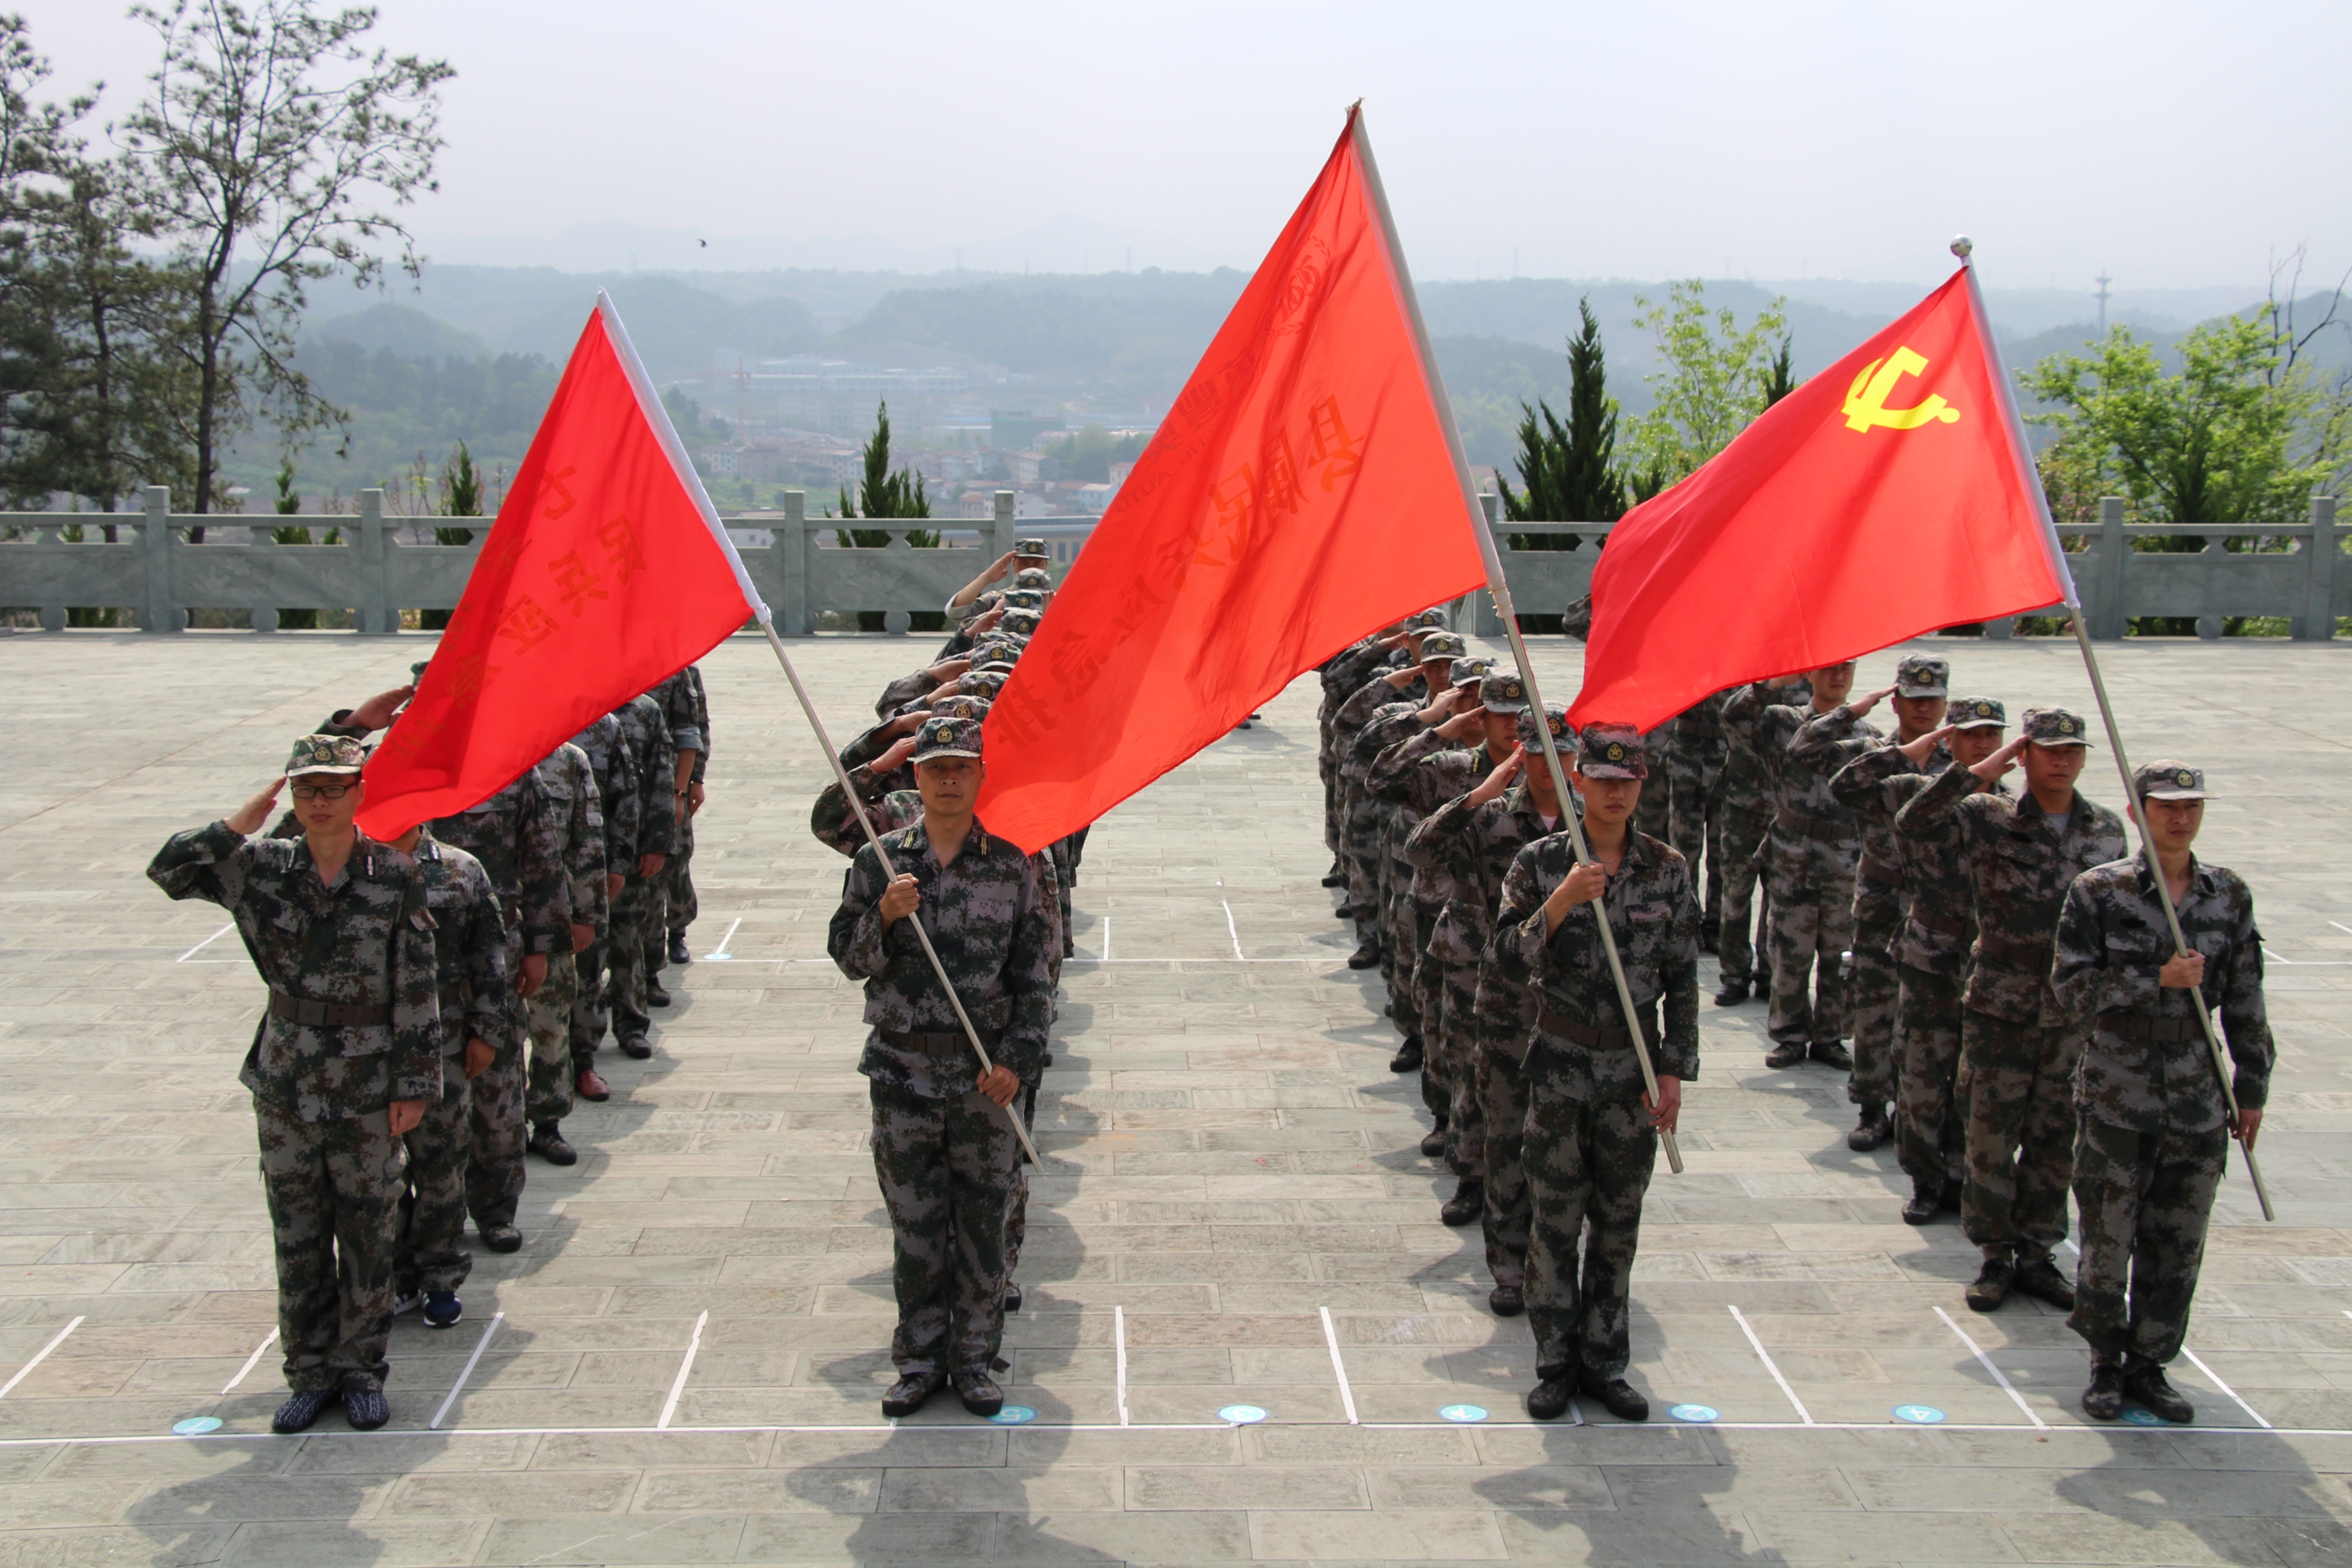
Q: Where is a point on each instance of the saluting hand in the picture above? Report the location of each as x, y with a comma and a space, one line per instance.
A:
1917, 750
377, 710
1463, 724
1861, 706
1505, 773
246, 819
1993, 767
899, 899
896, 757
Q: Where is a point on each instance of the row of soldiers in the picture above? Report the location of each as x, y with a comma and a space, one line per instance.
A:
436, 1002
2020, 1023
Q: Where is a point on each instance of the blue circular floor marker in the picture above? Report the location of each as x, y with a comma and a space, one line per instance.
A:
196, 1425
1462, 1412
2135, 1417
1918, 1415
1696, 1413
1014, 1415
1241, 1415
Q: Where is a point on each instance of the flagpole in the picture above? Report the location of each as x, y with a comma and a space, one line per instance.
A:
1962, 249
1501, 590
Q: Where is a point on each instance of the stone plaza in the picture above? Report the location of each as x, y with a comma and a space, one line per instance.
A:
1246, 1334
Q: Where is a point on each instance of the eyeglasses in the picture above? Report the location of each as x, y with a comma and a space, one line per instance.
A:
321, 791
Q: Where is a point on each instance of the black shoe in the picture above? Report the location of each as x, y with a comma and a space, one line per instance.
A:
1338, 878
636, 1048
366, 1409
1617, 1397
1992, 1284
1433, 1142
500, 1238
655, 996
1872, 1131
2040, 1277
1364, 957
297, 1413
1788, 1054
1507, 1301
677, 953
1926, 1198
979, 1391
907, 1395
2145, 1384
546, 1141
1408, 1055
1833, 1054
1467, 1204
1733, 993
1012, 1296
1548, 1401
2104, 1400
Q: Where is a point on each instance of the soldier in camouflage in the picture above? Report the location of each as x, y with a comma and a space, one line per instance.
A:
568, 780
1384, 686
1695, 755
635, 925
1742, 932
618, 794
673, 904
2019, 1045
343, 1063
944, 1155
1592, 1127
2152, 1129
1341, 675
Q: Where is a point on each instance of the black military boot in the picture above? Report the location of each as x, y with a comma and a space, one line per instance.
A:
1733, 993
1467, 1204
978, 1391
1617, 1397
2040, 1276
546, 1141
1548, 1401
298, 1412
1872, 1131
655, 996
2144, 1381
1408, 1055
1787, 1054
2104, 1400
1433, 1142
1992, 1283
1335, 877
907, 1395
1364, 957
1833, 1054
1507, 1301
1926, 1198
677, 953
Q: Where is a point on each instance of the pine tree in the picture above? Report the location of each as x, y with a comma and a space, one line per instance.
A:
883, 494
1780, 375
1570, 472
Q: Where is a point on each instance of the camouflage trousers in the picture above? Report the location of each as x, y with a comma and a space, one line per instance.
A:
2145, 1199
946, 1168
1697, 821
547, 1098
2017, 1082
1330, 777
1587, 1166
671, 895
1016, 1210
1360, 859
1741, 839
589, 1017
1871, 996
1930, 1138
1503, 1105
333, 1190
1813, 926
635, 927
1455, 1040
431, 1253
494, 1173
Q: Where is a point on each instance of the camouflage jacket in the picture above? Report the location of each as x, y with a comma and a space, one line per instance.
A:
1415, 776
1465, 850
470, 951
1826, 746
906, 689
2018, 871
1654, 915
890, 805
2147, 1065
641, 722
1696, 743
1348, 721
1748, 773
688, 713
365, 941
569, 781
986, 915
617, 789
1939, 919
1805, 815
867, 747
518, 834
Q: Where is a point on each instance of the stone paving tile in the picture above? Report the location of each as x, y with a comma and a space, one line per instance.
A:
1228, 1158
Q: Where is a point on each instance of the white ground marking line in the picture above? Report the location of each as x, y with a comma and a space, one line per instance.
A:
1761, 1354
1998, 1376
721, 952
1106, 951
678, 1383
2216, 1379
39, 1356
466, 1372
205, 944
251, 1363
1230, 932
2339, 925
1118, 1338
1338, 1368
2276, 957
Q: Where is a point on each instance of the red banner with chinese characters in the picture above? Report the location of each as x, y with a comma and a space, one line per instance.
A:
606, 573
1300, 493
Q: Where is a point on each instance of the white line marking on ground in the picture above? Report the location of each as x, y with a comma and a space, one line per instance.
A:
721, 952
251, 1363
2276, 957
39, 1356
1761, 1354
678, 1383
1338, 1368
1106, 951
466, 1372
205, 944
1118, 1338
1998, 1376
1238, 955
2339, 925
2216, 1379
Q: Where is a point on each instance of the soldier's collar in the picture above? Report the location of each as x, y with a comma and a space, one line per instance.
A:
2201, 879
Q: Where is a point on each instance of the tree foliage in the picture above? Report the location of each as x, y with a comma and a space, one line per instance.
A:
884, 494
1717, 376
1569, 471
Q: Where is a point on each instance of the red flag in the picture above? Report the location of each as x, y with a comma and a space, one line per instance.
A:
606, 573
1888, 495
1302, 491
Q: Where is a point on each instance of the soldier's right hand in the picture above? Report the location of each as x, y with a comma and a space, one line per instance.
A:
2182, 972
907, 723
899, 900
1861, 706
1917, 750
613, 882
377, 710
988, 619
948, 669
478, 1057
896, 757
583, 937
1399, 679
246, 819
2000, 762
1505, 773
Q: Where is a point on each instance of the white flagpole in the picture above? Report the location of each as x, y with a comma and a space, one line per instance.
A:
1501, 590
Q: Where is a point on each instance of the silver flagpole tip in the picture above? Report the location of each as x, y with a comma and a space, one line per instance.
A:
1962, 245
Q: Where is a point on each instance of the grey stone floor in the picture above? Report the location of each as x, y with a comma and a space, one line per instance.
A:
1229, 1162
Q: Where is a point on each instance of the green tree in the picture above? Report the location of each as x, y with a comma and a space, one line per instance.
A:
884, 494
1717, 376
288, 503
1569, 471
461, 496
1780, 375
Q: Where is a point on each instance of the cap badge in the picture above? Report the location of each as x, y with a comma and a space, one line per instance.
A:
2184, 778
1616, 752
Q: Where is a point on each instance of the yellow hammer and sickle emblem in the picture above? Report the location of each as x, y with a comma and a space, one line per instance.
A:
1866, 400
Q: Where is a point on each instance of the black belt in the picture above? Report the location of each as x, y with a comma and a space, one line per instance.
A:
1951, 925
947, 1043
1879, 873
2139, 1026
1568, 1029
333, 1014
2036, 954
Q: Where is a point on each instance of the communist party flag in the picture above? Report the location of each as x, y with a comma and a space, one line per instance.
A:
1303, 490
1890, 495
606, 573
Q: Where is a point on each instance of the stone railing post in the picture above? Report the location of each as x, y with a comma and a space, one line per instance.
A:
2317, 622
156, 541
1004, 527
373, 614
793, 540
265, 616
2108, 621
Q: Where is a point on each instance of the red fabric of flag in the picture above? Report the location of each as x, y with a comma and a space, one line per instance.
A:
1300, 492
606, 573
1888, 495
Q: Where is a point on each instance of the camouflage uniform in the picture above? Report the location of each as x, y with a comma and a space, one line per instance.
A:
2019, 1045
568, 780
2152, 1140
1589, 1144
1360, 853
358, 960
635, 926
1342, 674
1746, 815
672, 905
619, 797
943, 1154
1697, 753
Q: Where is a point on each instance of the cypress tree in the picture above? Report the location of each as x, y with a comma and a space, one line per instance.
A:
1569, 471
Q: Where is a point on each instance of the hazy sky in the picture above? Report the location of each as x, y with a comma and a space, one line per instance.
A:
2170, 145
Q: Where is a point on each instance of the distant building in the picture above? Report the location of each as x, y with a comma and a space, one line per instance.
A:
1096, 498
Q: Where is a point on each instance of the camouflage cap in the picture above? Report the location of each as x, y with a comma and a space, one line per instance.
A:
980, 683
2169, 780
1468, 671
326, 754
1611, 751
1562, 737
1024, 599
1921, 676
960, 707
947, 737
1021, 623
1033, 577
1443, 645
2056, 727
1034, 549
1432, 618
1503, 692
994, 664
1975, 713
416, 670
